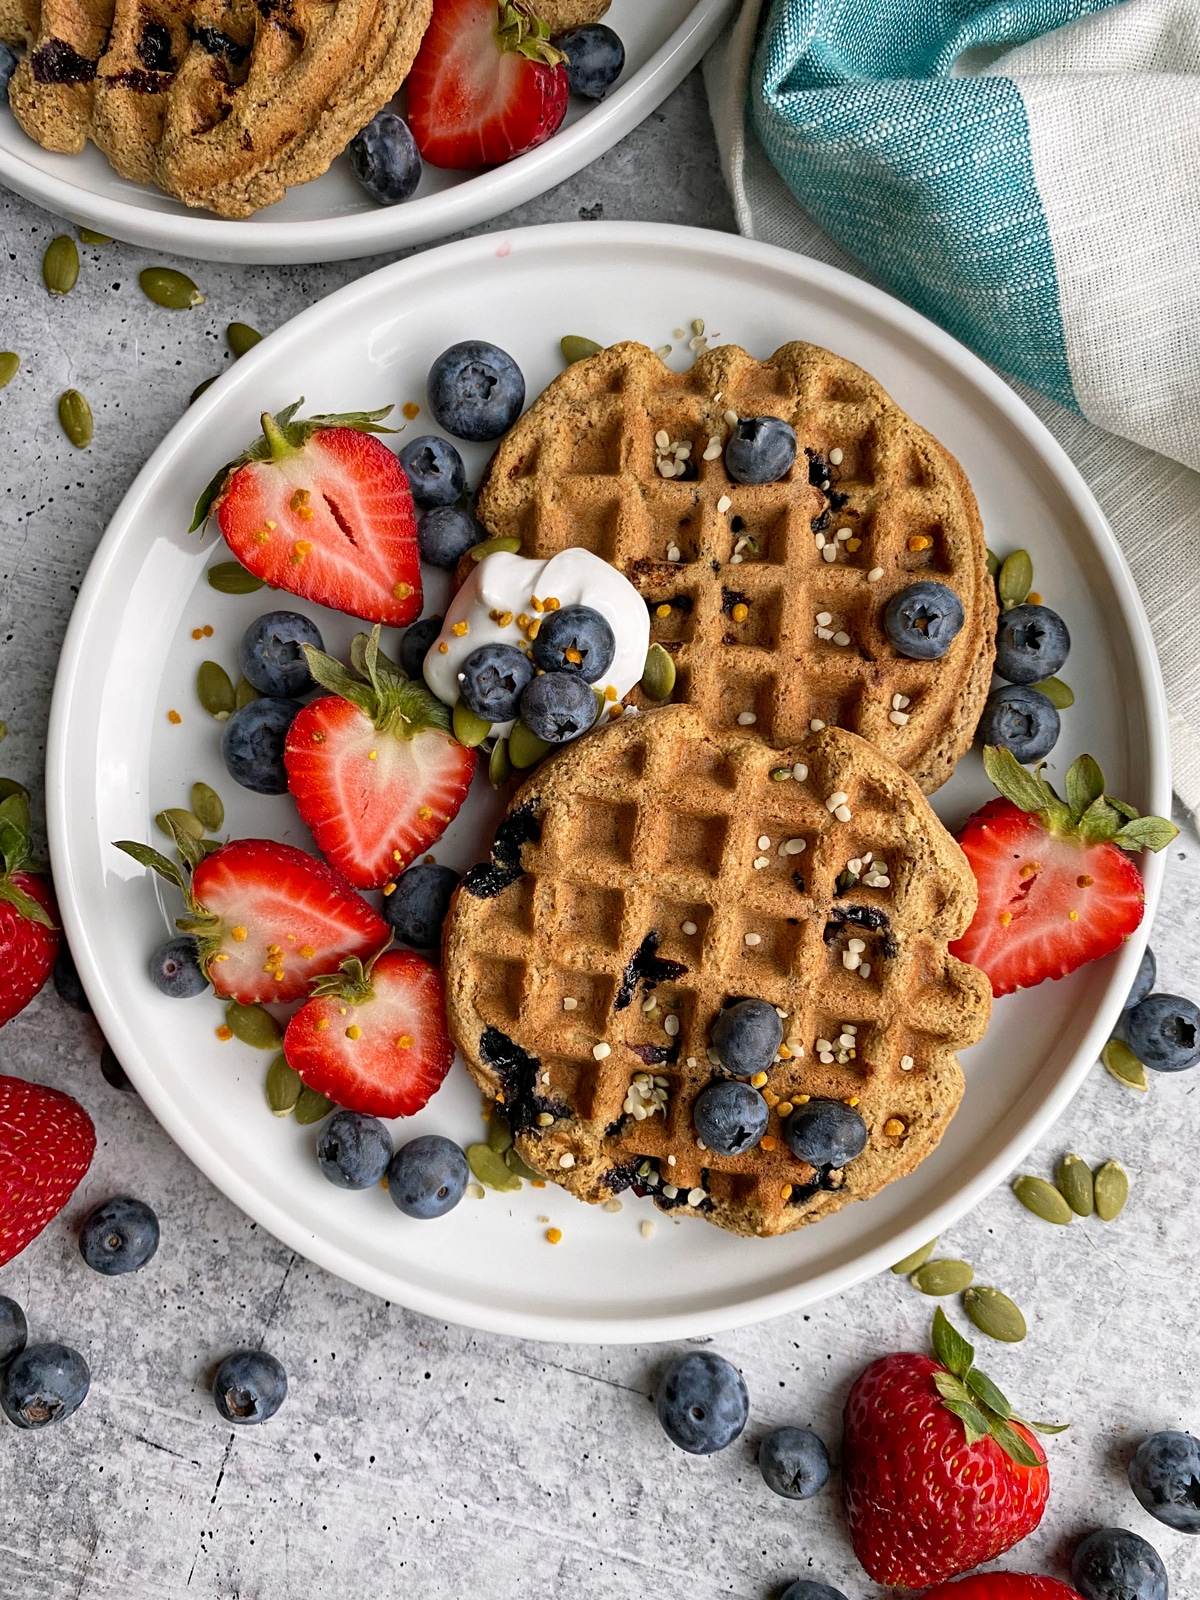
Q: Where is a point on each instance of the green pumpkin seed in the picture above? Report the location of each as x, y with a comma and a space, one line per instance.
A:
90, 236
1043, 1199
917, 1259
489, 547
1015, 579
525, 749
658, 675
514, 1163
231, 577
183, 820
468, 728
1075, 1185
10, 363
491, 1168
284, 1086
500, 768
75, 416
240, 337
254, 1026
245, 693
311, 1106
1060, 695
499, 1134
60, 265
206, 803
993, 564
995, 1314
214, 690
576, 348
942, 1277
1112, 1190
1125, 1067
201, 387
172, 290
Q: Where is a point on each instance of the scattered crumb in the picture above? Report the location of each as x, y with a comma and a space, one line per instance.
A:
647, 1229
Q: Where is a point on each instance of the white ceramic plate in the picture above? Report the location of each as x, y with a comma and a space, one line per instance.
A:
115, 759
331, 219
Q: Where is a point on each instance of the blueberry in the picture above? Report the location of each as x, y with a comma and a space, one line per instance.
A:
445, 534
476, 391
270, 655
417, 907
1165, 1476
575, 639
66, 981
1113, 1564
14, 1330
43, 1384
746, 1037
354, 1150
793, 1462
252, 744
1022, 720
807, 1589
595, 59
434, 469
558, 707
119, 1236
385, 159
730, 1117
493, 679
414, 646
1147, 972
1032, 643
760, 450
428, 1176
113, 1072
702, 1402
825, 1133
923, 620
1163, 1031
176, 970
249, 1386
8, 65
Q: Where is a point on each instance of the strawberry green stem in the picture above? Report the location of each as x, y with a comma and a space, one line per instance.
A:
273, 433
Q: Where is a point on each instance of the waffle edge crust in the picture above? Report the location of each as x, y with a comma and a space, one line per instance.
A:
653, 823
580, 468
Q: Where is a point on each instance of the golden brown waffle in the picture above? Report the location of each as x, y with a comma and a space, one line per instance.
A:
637, 854
51, 91
559, 15
736, 584
148, 41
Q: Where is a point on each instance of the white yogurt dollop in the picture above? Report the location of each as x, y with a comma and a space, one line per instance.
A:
504, 585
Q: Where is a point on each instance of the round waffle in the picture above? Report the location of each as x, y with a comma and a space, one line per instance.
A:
630, 885
770, 597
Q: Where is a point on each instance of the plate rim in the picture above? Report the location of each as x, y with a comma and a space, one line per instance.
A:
203, 236
735, 252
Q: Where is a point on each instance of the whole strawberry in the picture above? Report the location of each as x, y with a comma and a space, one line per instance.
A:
1057, 882
46, 1145
938, 1474
1002, 1586
29, 936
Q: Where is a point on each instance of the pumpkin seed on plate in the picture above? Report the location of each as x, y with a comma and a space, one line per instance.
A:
284, 1086
576, 348
207, 805
75, 416
311, 1106
993, 564
10, 363
1043, 1199
995, 1314
499, 1134
1075, 1185
245, 693
231, 577
60, 265
253, 1025
1112, 1190
1060, 695
172, 290
513, 1161
214, 690
918, 1258
658, 675
183, 820
525, 749
1125, 1067
500, 768
1015, 579
491, 1168
240, 337
90, 236
201, 387
469, 729
488, 547
942, 1277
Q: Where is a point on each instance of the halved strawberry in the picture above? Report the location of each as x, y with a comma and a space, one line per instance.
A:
373, 768
29, 936
487, 84
374, 1039
1003, 1586
1056, 887
323, 510
269, 919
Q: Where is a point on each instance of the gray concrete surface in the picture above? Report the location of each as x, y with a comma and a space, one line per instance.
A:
414, 1458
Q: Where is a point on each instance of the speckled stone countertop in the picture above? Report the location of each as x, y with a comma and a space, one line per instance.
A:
414, 1458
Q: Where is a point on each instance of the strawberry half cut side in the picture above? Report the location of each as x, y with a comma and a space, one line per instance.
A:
268, 918
487, 84
1057, 883
46, 1145
1003, 1586
374, 1038
29, 935
373, 767
324, 510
